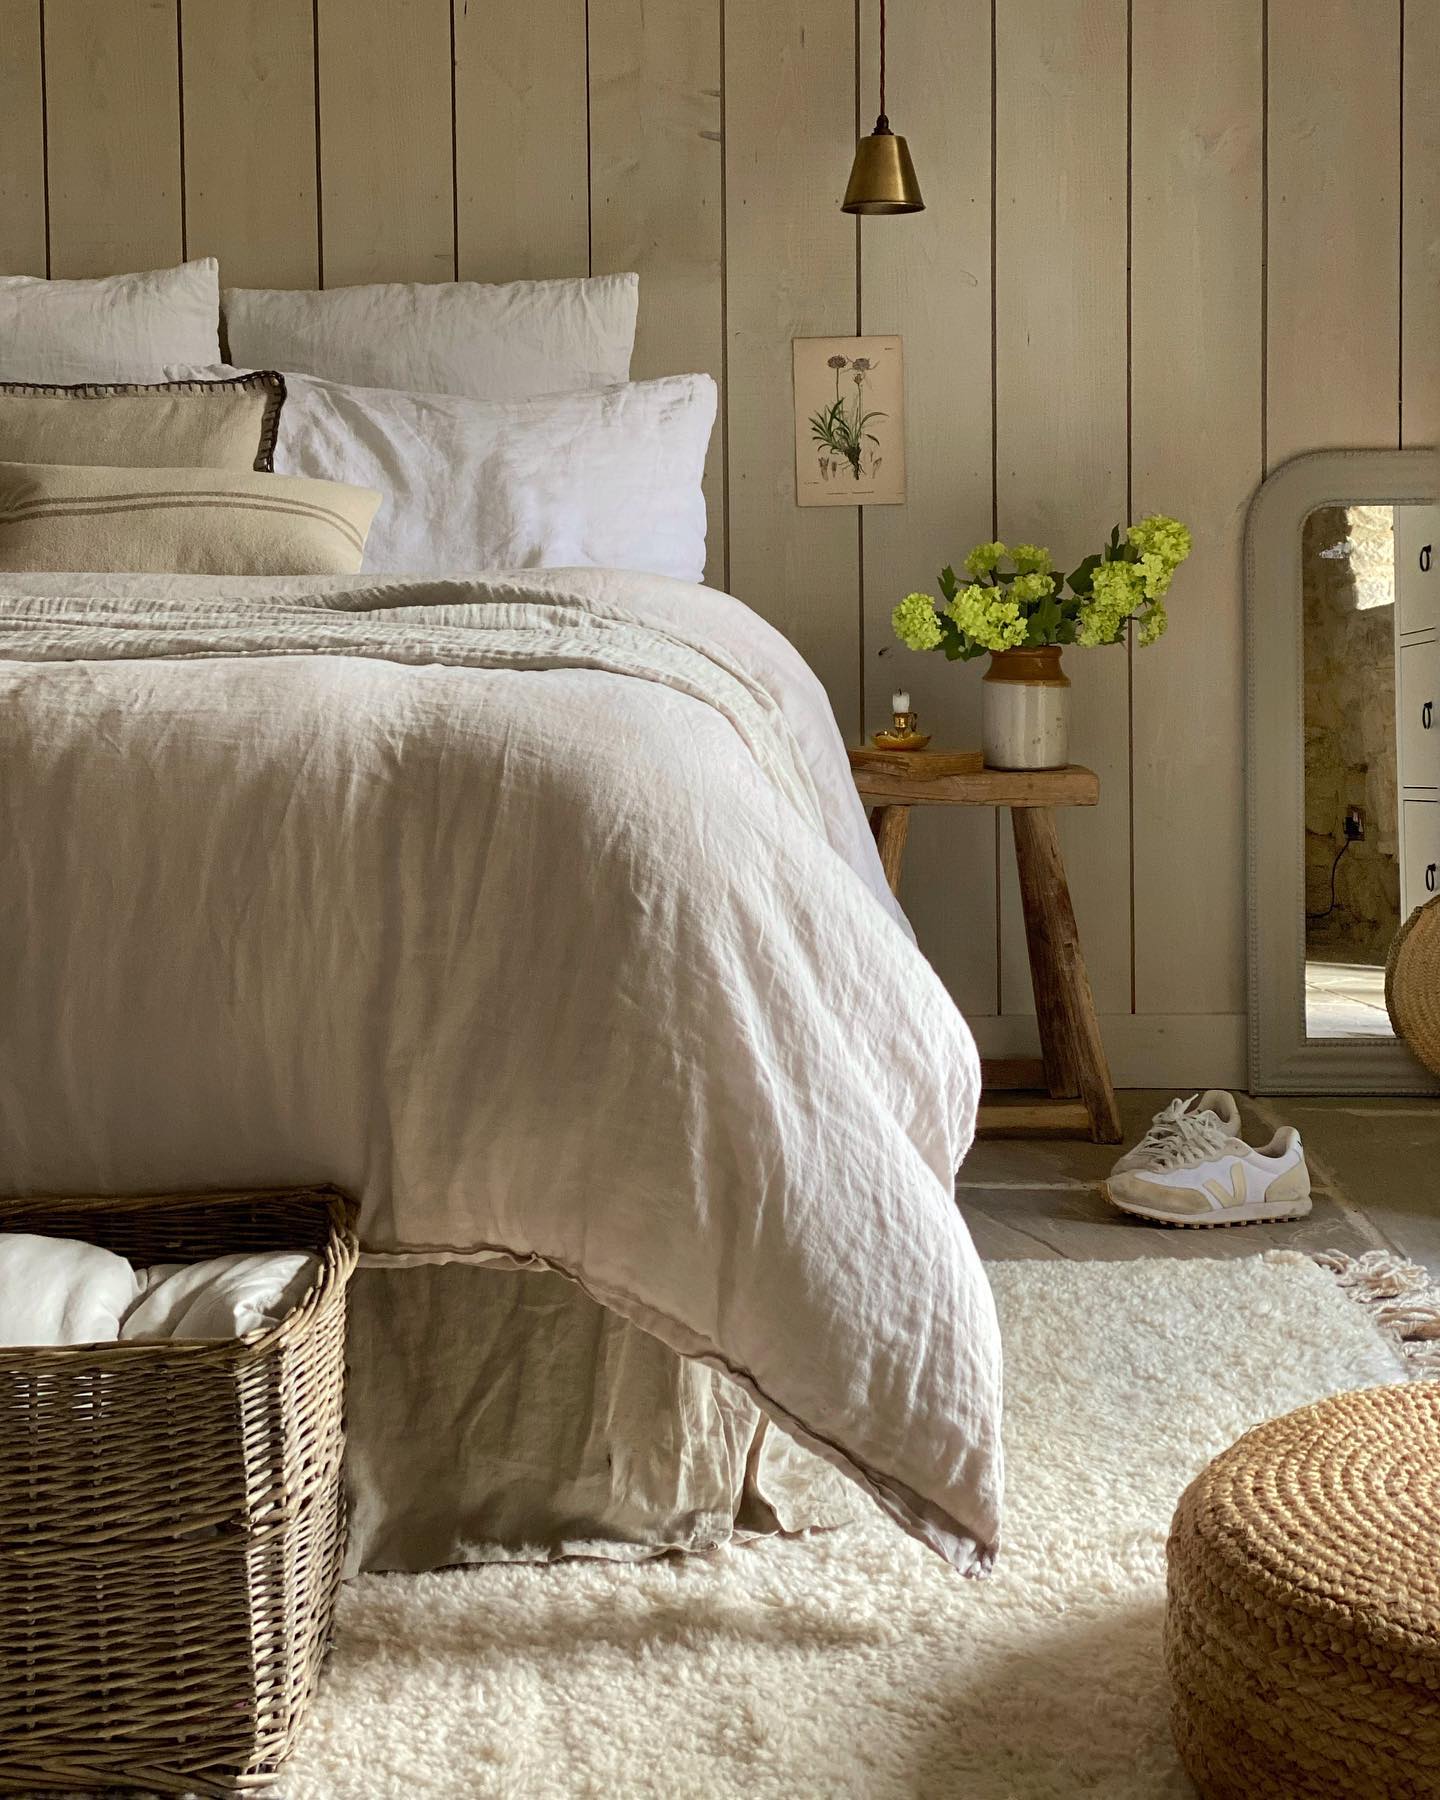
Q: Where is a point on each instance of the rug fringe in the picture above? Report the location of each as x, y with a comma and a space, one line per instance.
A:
1400, 1296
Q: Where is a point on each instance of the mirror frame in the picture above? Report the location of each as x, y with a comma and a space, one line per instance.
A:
1283, 1059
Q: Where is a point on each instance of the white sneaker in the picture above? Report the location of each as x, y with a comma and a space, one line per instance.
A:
1192, 1167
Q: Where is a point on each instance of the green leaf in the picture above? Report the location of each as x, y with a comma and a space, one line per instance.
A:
1082, 580
1044, 623
949, 582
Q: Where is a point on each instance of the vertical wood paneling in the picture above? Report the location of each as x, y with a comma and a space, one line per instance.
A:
1196, 357
250, 194
1334, 231
386, 151
1061, 396
22, 141
522, 210
790, 272
928, 278
656, 192
1420, 346
113, 104
589, 135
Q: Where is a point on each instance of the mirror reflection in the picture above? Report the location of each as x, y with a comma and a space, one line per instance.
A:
1372, 751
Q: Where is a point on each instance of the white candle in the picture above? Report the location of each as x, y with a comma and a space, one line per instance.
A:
900, 703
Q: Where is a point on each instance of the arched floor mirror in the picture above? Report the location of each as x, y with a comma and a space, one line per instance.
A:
1342, 574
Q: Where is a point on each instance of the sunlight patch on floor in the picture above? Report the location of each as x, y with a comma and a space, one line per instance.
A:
1345, 1000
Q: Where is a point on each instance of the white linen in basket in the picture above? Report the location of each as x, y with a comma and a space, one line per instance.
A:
56, 1290
606, 480
222, 1297
489, 342
61, 1291
120, 328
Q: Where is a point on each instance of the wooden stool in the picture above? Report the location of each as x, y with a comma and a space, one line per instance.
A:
1072, 1065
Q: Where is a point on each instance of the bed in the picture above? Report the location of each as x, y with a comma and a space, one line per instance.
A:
536, 909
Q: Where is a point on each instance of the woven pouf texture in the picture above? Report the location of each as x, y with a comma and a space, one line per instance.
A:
1412, 983
1302, 1628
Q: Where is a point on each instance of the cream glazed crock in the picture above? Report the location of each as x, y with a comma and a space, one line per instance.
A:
1025, 715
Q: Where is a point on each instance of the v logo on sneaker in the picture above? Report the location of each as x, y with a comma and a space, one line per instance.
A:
1238, 1191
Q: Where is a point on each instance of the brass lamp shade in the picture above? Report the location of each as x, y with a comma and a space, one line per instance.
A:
882, 177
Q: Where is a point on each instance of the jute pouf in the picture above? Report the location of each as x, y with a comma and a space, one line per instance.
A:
1412, 983
1302, 1628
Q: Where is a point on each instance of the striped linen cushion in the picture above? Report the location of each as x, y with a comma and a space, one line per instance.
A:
59, 516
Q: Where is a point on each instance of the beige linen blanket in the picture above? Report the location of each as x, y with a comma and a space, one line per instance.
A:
533, 910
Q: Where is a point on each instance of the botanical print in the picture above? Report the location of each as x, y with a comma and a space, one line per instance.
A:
849, 422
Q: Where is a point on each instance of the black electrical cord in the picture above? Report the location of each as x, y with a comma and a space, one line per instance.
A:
1311, 918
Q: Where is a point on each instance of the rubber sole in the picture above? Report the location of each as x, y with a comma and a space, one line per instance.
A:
1250, 1215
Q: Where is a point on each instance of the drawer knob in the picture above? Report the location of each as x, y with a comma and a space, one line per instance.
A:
1425, 560
1429, 878
1427, 715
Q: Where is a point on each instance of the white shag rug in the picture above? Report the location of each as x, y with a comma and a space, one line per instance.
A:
853, 1663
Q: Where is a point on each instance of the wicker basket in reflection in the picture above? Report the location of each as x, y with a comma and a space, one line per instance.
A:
172, 1516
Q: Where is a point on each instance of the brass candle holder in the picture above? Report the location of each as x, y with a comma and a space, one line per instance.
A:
903, 733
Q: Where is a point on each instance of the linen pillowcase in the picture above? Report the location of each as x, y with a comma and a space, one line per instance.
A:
55, 516
228, 424
604, 480
487, 342
121, 328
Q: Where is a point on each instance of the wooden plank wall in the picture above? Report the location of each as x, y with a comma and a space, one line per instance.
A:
1167, 246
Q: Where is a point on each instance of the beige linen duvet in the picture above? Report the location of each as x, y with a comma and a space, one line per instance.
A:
538, 912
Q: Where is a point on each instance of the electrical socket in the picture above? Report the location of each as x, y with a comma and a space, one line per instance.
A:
1354, 823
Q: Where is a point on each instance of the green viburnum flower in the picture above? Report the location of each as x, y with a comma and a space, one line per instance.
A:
982, 559
988, 616
1155, 573
1117, 590
1031, 559
1152, 626
1028, 589
1094, 627
914, 622
1118, 586
1155, 535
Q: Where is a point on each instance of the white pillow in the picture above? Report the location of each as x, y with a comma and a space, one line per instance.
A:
225, 1297
121, 328
62, 1291
451, 337
603, 480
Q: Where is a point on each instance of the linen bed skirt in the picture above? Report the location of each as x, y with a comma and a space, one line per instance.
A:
501, 1416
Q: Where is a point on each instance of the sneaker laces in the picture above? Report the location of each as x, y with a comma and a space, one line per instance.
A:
1178, 1136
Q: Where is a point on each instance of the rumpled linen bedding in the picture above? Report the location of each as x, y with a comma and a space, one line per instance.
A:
538, 912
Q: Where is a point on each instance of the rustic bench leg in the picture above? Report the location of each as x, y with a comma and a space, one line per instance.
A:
891, 826
1037, 884
1070, 1041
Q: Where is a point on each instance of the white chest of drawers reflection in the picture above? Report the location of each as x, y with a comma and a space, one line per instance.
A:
1417, 699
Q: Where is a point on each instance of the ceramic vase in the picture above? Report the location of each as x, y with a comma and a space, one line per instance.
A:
1025, 716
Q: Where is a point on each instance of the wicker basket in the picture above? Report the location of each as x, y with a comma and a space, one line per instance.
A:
172, 1517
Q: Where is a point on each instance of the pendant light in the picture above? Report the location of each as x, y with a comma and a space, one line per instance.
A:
882, 177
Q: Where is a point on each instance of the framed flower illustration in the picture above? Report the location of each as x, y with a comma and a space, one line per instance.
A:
849, 421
